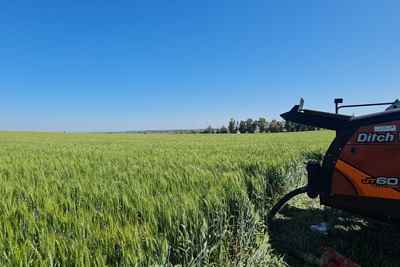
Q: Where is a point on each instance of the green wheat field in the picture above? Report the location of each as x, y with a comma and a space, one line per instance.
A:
168, 200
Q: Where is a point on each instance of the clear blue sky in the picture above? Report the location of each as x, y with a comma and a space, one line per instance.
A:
128, 65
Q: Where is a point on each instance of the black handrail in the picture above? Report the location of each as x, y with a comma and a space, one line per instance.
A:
340, 101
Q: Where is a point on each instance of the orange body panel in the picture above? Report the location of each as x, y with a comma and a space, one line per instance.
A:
359, 180
370, 162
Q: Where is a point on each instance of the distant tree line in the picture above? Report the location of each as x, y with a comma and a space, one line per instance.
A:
262, 125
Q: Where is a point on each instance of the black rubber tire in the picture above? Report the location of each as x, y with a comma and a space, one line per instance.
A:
283, 201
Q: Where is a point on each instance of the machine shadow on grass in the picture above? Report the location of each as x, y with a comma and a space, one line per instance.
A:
365, 241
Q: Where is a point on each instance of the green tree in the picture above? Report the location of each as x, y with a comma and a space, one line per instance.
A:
249, 126
242, 127
297, 127
209, 130
223, 130
276, 126
262, 124
254, 127
232, 126
290, 126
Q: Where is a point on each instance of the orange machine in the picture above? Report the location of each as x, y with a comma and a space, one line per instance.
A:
360, 172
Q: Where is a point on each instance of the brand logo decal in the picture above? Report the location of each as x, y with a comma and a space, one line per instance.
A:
375, 138
382, 181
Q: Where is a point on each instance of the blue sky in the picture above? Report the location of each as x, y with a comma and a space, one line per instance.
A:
129, 65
